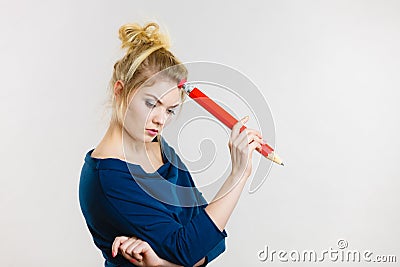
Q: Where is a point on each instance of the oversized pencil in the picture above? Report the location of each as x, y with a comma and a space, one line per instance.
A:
224, 116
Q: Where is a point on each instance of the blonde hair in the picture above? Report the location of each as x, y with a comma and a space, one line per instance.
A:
147, 54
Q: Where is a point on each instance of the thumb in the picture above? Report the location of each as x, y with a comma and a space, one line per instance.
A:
245, 119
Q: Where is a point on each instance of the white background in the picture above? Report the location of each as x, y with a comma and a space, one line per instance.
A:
330, 73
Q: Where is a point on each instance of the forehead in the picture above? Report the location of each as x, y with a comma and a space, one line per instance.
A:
162, 89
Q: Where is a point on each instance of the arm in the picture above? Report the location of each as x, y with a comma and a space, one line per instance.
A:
139, 214
223, 204
140, 253
185, 244
241, 146
217, 250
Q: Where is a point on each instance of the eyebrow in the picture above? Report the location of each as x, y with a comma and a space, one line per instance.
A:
160, 101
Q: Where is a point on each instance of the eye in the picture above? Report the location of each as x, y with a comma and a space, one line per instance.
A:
150, 105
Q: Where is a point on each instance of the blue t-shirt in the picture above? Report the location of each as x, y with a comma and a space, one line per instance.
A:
163, 208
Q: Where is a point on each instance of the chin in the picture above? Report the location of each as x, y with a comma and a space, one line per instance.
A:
149, 138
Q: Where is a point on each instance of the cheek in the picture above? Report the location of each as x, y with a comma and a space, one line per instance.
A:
134, 124
137, 115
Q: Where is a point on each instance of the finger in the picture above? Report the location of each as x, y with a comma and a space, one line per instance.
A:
246, 139
248, 135
257, 139
237, 126
136, 262
127, 243
132, 246
251, 131
140, 249
132, 259
248, 151
117, 242
253, 146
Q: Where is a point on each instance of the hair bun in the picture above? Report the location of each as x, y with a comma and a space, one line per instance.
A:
133, 35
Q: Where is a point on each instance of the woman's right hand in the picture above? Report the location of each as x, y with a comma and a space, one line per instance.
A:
242, 146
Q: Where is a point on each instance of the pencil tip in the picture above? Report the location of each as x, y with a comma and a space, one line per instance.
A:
282, 164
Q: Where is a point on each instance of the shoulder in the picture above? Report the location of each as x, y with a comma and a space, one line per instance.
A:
105, 152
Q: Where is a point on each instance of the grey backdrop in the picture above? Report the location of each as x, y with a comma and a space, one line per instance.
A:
329, 70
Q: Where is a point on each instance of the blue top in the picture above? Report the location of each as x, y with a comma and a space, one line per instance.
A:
163, 208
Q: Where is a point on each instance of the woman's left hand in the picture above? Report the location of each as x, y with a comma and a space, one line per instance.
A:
136, 251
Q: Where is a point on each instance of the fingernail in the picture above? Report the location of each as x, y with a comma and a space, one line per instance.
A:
246, 118
113, 254
133, 260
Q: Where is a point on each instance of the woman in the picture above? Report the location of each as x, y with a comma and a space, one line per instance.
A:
131, 184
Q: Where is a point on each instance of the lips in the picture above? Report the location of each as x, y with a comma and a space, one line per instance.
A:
154, 130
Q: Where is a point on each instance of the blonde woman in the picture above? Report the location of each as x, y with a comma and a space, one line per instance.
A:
131, 184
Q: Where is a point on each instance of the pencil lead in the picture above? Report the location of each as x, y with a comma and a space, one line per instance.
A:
282, 164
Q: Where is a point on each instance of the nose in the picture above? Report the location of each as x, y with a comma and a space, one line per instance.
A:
159, 116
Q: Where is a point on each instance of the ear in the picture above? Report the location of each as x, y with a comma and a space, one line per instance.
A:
118, 86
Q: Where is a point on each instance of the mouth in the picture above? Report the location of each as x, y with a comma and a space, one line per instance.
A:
152, 131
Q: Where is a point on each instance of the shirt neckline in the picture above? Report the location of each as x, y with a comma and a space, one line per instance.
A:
122, 165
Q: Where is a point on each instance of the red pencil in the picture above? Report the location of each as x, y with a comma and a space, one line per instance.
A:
224, 116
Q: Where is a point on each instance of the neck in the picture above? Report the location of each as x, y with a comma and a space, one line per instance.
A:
120, 143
